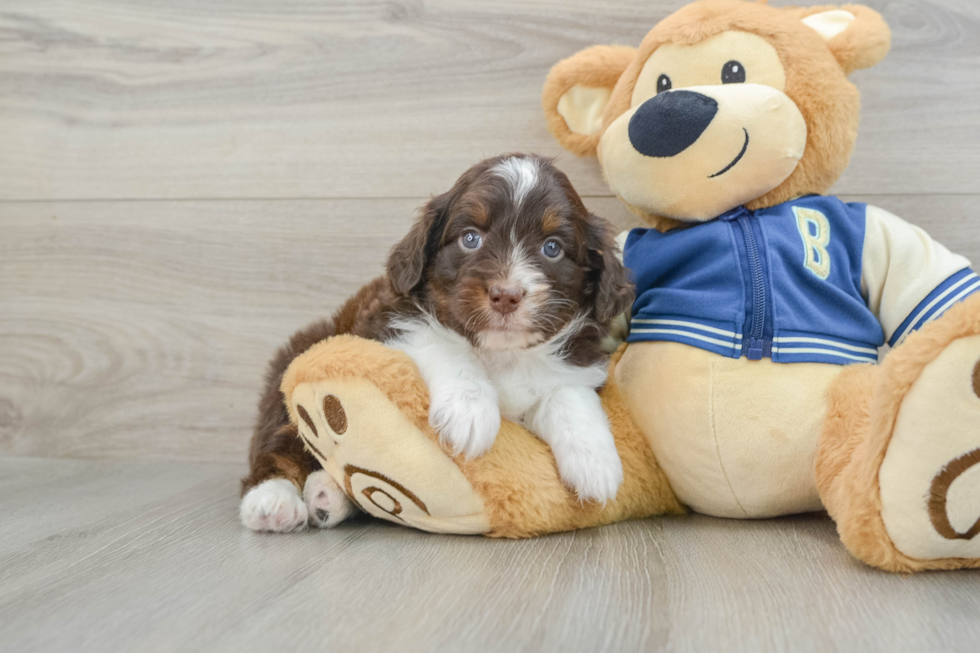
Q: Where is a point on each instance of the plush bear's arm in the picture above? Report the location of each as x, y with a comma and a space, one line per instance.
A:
907, 278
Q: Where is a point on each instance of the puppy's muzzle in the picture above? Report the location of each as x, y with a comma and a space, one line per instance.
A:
669, 123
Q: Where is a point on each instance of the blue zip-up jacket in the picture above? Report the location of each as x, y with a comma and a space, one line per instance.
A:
810, 280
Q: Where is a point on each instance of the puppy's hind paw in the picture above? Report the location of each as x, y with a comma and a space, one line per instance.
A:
273, 505
325, 501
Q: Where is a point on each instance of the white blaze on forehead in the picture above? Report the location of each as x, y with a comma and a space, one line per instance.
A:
524, 273
520, 173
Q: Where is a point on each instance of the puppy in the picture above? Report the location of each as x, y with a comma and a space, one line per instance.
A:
501, 292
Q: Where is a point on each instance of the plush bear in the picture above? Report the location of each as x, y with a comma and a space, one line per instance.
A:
750, 385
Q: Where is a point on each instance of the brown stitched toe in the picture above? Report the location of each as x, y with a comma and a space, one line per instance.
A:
333, 411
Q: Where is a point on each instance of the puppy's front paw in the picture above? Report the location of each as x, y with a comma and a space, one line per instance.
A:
325, 501
594, 472
466, 417
273, 505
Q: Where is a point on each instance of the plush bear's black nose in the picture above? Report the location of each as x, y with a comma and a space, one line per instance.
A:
669, 123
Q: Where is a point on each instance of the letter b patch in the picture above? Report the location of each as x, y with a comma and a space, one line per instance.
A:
815, 232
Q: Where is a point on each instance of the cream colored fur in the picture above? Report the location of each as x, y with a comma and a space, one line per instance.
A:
739, 438
939, 421
712, 424
734, 437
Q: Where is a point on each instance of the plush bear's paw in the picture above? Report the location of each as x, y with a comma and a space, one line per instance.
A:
326, 502
930, 476
273, 505
466, 416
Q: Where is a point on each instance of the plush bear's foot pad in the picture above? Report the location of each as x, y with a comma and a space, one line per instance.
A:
326, 501
380, 460
274, 505
930, 476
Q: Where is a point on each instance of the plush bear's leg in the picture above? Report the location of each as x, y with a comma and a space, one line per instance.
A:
899, 461
362, 409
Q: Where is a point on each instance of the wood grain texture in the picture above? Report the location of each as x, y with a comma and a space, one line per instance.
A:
142, 329
289, 98
184, 184
103, 556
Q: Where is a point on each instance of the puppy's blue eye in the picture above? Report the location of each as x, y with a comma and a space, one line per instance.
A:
551, 249
471, 239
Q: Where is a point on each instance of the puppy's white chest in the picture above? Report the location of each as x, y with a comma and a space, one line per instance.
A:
523, 377
516, 393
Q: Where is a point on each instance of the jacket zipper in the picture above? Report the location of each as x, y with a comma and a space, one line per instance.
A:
758, 346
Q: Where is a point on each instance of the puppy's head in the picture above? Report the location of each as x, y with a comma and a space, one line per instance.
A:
510, 256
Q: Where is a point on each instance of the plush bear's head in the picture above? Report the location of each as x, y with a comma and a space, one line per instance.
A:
725, 103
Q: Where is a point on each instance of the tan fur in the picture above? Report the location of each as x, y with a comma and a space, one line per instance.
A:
864, 401
599, 67
864, 406
815, 80
393, 372
862, 45
517, 480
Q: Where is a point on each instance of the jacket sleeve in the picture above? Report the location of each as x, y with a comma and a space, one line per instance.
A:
907, 278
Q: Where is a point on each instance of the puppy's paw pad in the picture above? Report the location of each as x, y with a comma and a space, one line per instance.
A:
275, 506
325, 501
466, 419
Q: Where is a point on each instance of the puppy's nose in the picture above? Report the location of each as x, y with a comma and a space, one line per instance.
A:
669, 123
504, 299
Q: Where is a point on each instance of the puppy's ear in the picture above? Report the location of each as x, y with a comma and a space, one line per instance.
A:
408, 259
614, 290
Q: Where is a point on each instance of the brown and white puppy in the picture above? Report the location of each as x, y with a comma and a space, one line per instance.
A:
501, 292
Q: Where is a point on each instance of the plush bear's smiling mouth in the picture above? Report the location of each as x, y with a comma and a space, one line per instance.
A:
738, 158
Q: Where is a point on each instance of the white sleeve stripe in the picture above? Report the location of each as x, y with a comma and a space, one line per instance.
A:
820, 341
692, 325
914, 323
688, 334
959, 297
829, 352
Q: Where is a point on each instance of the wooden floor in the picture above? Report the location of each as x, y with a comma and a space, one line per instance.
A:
116, 556
185, 183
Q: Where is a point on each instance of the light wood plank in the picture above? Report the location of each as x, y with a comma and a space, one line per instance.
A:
102, 556
227, 99
143, 328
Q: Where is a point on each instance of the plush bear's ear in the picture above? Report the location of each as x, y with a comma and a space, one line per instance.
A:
857, 36
577, 91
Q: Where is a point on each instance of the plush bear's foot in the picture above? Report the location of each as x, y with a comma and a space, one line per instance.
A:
930, 476
362, 410
326, 501
274, 505
899, 461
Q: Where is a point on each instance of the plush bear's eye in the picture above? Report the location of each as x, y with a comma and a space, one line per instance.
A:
732, 73
663, 83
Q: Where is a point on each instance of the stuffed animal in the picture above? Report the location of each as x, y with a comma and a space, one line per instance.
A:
750, 385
